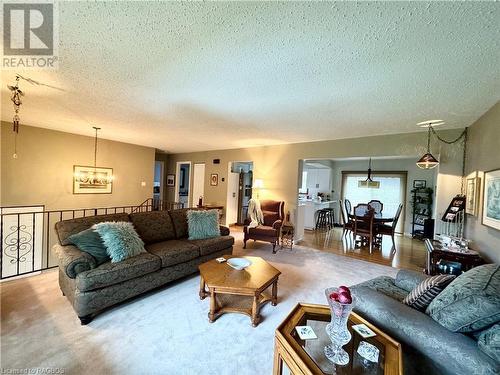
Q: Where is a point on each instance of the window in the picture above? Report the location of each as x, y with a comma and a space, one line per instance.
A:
391, 193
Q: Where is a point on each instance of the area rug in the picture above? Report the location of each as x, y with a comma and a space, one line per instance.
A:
165, 331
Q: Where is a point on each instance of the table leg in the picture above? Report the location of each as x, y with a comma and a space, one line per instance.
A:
255, 310
274, 297
203, 293
211, 314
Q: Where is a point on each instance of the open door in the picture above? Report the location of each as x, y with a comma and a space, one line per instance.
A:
198, 183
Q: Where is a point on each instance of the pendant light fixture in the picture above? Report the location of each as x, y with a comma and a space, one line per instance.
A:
369, 183
15, 97
428, 161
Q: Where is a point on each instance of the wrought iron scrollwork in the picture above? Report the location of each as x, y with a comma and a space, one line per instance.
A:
18, 244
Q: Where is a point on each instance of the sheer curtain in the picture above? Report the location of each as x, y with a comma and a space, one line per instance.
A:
391, 193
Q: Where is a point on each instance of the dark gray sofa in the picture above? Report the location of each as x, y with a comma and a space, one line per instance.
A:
170, 256
428, 347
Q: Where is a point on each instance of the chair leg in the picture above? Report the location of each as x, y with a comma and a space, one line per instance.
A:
274, 247
84, 320
244, 243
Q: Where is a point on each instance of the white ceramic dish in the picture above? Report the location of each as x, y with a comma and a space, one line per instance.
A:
239, 263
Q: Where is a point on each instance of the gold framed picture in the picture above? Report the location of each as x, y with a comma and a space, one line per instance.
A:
491, 199
473, 187
92, 180
214, 179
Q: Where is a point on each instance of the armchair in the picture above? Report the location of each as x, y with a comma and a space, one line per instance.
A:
269, 231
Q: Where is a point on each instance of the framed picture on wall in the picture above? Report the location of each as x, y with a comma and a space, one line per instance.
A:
419, 183
170, 179
92, 180
214, 179
473, 185
491, 199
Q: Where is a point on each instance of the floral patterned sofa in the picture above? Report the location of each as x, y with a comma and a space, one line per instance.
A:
170, 256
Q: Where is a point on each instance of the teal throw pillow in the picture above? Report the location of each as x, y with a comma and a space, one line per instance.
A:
89, 241
471, 302
203, 224
489, 342
121, 239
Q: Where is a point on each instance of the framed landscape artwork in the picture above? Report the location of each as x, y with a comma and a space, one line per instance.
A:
491, 200
92, 180
473, 186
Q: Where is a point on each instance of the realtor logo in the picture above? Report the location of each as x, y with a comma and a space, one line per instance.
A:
29, 35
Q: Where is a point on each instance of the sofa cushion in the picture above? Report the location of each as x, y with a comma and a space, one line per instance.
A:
423, 294
203, 224
212, 245
173, 252
66, 228
489, 342
113, 273
90, 242
262, 230
385, 285
179, 219
471, 302
154, 226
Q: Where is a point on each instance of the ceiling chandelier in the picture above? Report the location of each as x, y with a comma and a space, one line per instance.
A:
15, 97
93, 176
369, 183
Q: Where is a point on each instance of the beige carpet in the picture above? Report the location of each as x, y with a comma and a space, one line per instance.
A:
165, 331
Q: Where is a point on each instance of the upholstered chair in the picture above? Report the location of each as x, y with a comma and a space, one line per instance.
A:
269, 231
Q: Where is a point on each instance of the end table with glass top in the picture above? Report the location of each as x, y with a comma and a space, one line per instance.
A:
306, 357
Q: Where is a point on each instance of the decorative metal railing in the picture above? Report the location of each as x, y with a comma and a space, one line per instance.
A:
27, 233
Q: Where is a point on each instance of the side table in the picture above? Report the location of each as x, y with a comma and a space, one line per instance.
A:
435, 252
287, 233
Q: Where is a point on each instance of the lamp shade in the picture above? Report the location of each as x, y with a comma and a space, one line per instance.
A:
427, 161
258, 183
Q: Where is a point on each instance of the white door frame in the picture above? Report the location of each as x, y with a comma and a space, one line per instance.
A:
194, 201
177, 179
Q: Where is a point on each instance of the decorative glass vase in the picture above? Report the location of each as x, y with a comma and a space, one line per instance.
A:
337, 329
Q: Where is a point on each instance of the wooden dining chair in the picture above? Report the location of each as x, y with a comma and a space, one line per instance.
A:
348, 206
363, 224
347, 223
390, 230
377, 206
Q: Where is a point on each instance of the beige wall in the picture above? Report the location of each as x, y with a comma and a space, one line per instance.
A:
278, 165
483, 154
42, 174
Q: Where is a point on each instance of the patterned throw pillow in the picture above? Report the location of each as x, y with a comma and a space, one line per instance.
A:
423, 294
121, 239
203, 224
90, 242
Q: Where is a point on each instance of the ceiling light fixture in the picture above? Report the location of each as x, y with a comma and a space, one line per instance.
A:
428, 161
369, 183
15, 97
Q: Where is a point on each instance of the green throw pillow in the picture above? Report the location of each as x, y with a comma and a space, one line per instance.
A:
203, 224
121, 239
471, 302
89, 241
489, 342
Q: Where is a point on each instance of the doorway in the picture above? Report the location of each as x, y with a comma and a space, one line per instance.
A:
158, 183
239, 191
183, 178
198, 184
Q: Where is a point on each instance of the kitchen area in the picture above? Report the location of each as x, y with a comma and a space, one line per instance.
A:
315, 191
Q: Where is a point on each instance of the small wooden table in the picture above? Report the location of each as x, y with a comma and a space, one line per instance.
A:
436, 252
306, 357
242, 291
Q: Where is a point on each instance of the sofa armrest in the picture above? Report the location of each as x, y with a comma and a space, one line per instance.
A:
408, 280
224, 231
277, 224
74, 261
247, 221
436, 349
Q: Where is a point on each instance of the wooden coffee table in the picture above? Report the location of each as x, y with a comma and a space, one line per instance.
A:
242, 291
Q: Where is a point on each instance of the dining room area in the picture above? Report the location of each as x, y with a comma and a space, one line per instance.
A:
372, 211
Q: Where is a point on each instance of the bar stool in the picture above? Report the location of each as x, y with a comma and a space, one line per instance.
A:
325, 218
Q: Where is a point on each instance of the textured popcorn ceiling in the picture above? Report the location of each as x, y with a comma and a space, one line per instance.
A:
199, 76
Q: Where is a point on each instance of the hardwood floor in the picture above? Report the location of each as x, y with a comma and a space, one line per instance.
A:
409, 253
